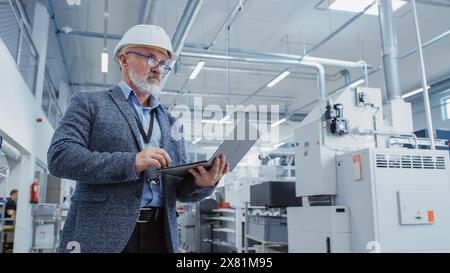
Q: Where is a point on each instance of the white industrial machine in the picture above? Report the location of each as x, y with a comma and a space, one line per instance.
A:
362, 191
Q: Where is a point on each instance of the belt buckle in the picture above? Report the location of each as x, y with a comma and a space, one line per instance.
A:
139, 216
153, 217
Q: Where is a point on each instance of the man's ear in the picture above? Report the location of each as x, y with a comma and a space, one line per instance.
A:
122, 60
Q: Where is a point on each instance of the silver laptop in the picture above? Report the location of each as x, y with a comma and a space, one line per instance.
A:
235, 146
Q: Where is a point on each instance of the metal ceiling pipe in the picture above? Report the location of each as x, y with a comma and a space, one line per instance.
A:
318, 67
237, 8
145, 12
269, 54
240, 52
390, 50
149, 11
190, 14
347, 76
332, 92
430, 42
323, 61
154, 9
179, 38
294, 74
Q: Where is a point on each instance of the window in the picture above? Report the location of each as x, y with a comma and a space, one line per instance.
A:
447, 107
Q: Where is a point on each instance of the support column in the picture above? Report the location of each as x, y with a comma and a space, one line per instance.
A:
390, 50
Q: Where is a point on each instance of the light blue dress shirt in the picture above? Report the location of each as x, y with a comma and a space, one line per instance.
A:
153, 193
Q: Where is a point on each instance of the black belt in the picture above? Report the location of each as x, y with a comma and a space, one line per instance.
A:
149, 214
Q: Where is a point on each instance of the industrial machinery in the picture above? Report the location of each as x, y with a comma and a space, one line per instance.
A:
198, 228
362, 189
46, 227
442, 138
267, 227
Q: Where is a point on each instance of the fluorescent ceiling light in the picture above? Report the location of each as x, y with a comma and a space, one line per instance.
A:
105, 62
196, 70
73, 2
356, 6
412, 93
67, 29
283, 75
196, 140
278, 122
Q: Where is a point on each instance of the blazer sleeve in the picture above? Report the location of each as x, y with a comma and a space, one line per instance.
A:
69, 155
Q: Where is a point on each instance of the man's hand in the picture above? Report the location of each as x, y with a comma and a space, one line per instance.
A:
152, 157
204, 178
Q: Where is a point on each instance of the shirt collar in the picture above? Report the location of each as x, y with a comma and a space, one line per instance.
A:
127, 92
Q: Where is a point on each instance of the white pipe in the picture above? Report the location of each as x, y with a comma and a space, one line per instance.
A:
387, 133
323, 61
11, 152
317, 66
426, 99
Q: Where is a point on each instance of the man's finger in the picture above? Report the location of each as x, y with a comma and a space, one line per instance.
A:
168, 159
155, 163
227, 168
194, 173
165, 155
160, 159
201, 170
216, 166
222, 165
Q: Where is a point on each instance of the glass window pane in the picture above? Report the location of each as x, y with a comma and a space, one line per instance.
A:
447, 108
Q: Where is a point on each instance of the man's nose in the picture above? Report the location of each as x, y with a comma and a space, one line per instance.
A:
158, 69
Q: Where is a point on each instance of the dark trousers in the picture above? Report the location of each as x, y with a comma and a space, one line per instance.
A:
147, 238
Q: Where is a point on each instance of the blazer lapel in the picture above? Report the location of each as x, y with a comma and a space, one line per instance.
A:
127, 112
164, 126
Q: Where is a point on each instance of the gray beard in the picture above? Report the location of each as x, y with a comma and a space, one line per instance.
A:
144, 86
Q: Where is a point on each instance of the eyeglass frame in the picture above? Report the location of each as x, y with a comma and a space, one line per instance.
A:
165, 66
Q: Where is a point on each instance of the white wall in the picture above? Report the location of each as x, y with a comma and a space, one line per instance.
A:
18, 112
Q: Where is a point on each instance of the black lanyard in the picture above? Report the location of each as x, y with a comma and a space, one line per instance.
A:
146, 136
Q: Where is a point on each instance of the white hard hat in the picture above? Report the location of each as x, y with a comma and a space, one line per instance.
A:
145, 35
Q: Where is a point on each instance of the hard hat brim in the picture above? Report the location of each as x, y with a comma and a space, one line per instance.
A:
169, 54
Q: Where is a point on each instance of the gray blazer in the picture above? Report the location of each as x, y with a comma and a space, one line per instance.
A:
95, 144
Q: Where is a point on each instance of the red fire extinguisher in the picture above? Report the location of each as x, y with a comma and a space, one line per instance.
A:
34, 192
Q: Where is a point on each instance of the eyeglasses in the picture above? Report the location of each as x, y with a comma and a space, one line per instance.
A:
152, 62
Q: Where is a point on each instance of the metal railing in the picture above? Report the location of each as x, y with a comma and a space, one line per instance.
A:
15, 32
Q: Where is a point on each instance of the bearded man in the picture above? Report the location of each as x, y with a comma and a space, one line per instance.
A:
111, 142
